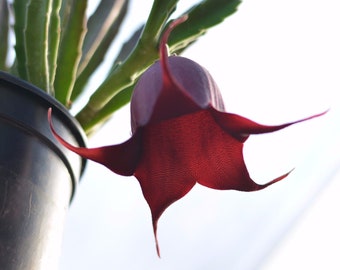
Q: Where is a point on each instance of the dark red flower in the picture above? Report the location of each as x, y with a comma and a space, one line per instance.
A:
181, 135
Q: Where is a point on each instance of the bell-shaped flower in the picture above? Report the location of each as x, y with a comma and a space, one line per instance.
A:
181, 135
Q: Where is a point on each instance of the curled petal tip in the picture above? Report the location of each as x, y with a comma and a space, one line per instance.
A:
49, 114
121, 158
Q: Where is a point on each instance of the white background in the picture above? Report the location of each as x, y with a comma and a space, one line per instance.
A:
275, 61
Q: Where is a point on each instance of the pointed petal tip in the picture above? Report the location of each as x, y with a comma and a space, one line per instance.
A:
241, 127
278, 179
156, 239
308, 118
158, 251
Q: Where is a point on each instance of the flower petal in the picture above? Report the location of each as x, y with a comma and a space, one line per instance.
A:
121, 159
179, 152
241, 127
222, 165
162, 171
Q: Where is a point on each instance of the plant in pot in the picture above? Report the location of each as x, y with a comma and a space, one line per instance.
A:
58, 47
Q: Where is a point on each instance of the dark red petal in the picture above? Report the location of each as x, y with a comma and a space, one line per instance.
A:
192, 148
241, 127
121, 159
221, 164
163, 171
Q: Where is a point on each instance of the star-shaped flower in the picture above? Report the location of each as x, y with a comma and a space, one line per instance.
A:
181, 135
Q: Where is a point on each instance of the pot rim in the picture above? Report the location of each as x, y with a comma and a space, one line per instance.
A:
69, 120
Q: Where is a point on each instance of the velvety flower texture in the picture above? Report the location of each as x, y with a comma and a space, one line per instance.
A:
181, 135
